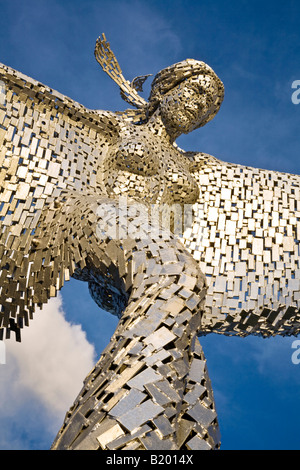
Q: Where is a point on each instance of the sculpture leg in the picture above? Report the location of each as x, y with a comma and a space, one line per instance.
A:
198, 427
144, 393
149, 389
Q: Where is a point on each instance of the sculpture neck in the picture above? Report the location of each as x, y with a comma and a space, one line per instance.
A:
158, 127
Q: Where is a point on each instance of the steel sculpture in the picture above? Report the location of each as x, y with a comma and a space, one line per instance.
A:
77, 189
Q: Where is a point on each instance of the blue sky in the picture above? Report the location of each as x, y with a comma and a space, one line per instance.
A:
254, 47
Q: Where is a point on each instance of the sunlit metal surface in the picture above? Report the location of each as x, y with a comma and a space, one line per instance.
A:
79, 188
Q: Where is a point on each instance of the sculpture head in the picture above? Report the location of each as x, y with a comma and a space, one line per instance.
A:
188, 95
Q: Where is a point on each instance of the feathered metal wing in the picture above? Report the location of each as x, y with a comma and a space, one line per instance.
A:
245, 236
51, 149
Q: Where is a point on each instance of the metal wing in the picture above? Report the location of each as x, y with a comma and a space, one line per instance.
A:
49, 146
245, 235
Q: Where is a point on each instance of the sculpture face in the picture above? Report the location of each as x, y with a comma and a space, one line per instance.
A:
188, 105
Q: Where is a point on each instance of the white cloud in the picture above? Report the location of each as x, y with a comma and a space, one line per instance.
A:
42, 376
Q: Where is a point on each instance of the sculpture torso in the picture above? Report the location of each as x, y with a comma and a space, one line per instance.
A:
147, 167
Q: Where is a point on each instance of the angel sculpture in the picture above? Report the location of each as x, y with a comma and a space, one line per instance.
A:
233, 270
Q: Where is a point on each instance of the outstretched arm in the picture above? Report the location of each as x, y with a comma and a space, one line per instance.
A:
245, 236
48, 144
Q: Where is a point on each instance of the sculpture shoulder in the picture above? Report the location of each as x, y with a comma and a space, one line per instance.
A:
198, 160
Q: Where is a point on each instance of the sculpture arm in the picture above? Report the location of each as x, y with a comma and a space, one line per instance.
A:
48, 144
245, 236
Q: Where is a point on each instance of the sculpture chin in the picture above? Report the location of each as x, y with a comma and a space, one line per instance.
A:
179, 123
